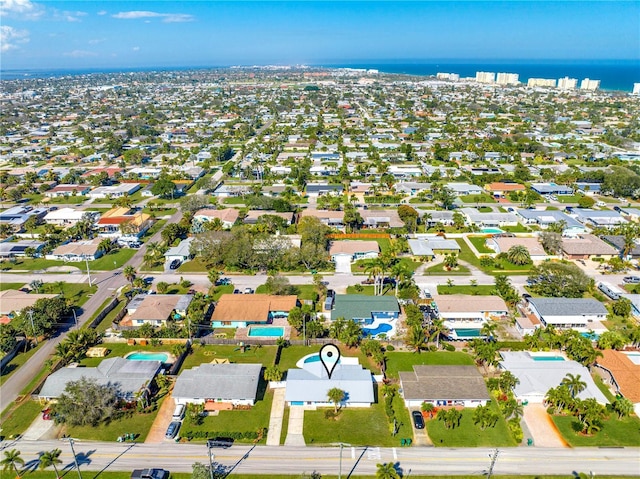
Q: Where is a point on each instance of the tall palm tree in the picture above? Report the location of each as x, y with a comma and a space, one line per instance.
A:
574, 384
400, 272
436, 330
489, 329
374, 268
129, 273
387, 471
51, 458
336, 396
518, 255
11, 458
415, 337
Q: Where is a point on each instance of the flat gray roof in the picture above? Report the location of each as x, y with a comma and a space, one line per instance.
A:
443, 382
219, 381
568, 306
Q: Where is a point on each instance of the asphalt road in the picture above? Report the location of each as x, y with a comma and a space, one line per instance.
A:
108, 283
99, 456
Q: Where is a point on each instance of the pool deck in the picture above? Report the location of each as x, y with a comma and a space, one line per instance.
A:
242, 334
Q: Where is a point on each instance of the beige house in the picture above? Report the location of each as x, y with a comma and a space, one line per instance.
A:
587, 246
77, 251
227, 216
12, 300
533, 246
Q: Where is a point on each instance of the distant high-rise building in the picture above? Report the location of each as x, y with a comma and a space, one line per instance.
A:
636, 88
485, 77
507, 79
447, 76
567, 83
590, 85
549, 82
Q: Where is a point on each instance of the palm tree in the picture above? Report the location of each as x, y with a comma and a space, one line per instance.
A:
374, 268
437, 329
387, 471
489, 329
518, 255
574, 384
129, 273
400, 271
336, 396
622, 407
450, 260
11, 458
415, 338
106, 245
51, 458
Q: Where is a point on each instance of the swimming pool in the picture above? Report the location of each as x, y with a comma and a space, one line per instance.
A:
142, 356
381, 329
592, 336
547, 358
467, 332
492, 230
314, 358
268, 331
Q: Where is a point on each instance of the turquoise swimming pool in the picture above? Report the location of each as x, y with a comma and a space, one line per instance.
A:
467, 333
381, 329
492, 230
547, 358
314, 358
266, 331
142, 356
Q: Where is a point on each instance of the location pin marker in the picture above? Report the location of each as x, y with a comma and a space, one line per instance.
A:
329, 357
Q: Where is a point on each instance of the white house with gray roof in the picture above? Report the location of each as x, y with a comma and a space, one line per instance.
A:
127, 375
489, 219
598, 218
544, 218
235, 384
582, 314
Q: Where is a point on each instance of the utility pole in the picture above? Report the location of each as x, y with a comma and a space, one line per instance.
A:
211, 456
33, 328
75, 317
88, 270
75, 459
494, 458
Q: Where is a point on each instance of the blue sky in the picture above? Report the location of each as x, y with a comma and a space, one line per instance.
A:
113, 34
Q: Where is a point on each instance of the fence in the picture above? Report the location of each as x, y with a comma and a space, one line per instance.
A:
107, 309
6, 359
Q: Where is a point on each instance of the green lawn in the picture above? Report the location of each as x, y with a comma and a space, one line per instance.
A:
18, 360
481, 198
4, 286
615, 432
67, 200
136, 423
264, 355
516, 229
292, 354
106, 262
193, 266
481, 289
157, 226
603, 387
108, 319
33, 264
439, 269
480, 243
220, 290
357, 426
402, 361
234, 200
367, 290
305, 291
121, 349
18, 420
466, 254
237, 420
568, 198
470, 435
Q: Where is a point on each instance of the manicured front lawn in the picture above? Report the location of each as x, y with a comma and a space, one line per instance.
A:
439, 269
356, 426
4, 286
17, 421
264, 355
481, 289
468, 434
33, 264
516, 229
246, 420
401, 361
568, 198
119, 257
367, 290
136, 423
481, 198
157, 226
305, 291
193, 266
78, 293
614, 432
480, 243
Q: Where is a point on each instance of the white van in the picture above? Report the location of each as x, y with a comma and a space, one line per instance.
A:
178, 412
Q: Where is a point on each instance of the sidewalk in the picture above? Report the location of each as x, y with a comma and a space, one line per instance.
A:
275, 420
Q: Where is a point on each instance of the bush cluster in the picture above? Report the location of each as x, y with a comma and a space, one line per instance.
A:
237, 435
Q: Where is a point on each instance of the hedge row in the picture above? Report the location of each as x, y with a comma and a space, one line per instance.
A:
211, 434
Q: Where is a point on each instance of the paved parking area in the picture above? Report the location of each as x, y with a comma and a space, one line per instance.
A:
295, 435
161, 422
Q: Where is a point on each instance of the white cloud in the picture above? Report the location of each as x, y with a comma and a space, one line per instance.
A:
23, 9
10, 38
95, 41
102, 12
70, 16
166, 17
80, 54
136, 49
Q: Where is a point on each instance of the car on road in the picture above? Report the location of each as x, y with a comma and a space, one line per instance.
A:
223, 442
631, 279
175, 264
223, 282
172, 430
149, 474
237, 291
248, 291
418, 420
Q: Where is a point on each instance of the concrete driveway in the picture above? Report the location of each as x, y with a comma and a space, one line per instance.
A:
542, 429
161, 422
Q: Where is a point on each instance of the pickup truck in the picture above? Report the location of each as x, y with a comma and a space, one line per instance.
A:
149, 474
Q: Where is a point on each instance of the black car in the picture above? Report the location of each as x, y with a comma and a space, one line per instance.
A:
418, 420
223, 442
172, 430
175, 264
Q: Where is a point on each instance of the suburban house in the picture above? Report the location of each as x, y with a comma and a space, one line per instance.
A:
218, 386
123, 222
537, 374
428, 247
253, 216
411, 188
353, 250
504, 244
227, 216
376, 314
115, 191
465, 315
587, 247
241, 310
489, 220
14, 249
13, 300
551, 189
309, 385
380, 219
333, 219
69, 216
182, 252
130, 377
622, 370
617, 241
318, 189
583, 314
67, 190
544, 218
17, 216
433, 218
464, 189
156, 309
598, 218
443, 386
500, 189
77, 251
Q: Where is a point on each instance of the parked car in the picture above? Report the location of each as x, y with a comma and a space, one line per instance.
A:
149, 474
248, 291
172, 430
223, 282
237, 291
175, 264
178, 412
223, 442
418, 420
631, 279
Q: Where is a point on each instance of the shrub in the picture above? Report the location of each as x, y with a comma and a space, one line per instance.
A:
390, 348
448, 347
516, 430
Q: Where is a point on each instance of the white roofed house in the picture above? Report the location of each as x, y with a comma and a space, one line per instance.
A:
69, 216
77, 251
182, 252
599, 218
489, 219
464, 189
227, 216
581, 314
156, 309
429, 246
465, 315
116, 191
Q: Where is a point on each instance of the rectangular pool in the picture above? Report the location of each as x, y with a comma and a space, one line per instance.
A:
266, 331
547, 358
467, 332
